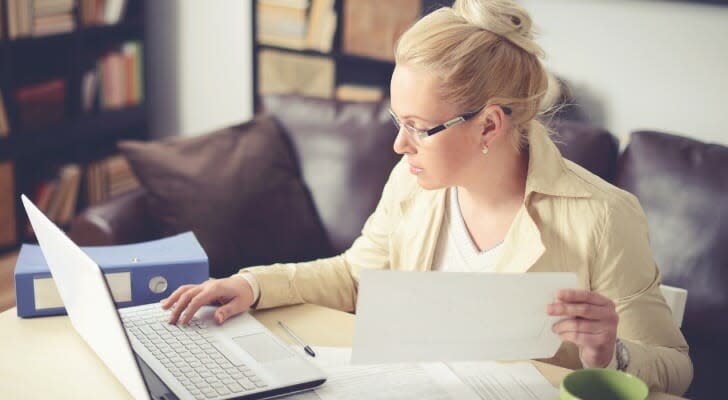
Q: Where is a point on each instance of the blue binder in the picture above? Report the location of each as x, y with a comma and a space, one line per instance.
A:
139, 273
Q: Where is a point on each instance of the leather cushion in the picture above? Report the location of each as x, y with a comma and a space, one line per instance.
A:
589, 146
238, 189
345, 153
682, 185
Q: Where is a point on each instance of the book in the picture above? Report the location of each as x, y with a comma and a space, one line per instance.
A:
109, 177
113, 11
284, 72
353, 92
53, 7
321, 30
89, 88
4, 123
8, 233
372, 27
41, 105
71, 178
57, 197
302, 4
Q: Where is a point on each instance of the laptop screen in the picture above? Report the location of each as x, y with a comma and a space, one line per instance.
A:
87, 298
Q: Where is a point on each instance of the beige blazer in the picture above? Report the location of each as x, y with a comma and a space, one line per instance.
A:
571, 221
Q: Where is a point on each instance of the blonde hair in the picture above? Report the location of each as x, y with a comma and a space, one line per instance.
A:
484, 53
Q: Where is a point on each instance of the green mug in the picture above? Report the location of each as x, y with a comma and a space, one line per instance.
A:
602, 384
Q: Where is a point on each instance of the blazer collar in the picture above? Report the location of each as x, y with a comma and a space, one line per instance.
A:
547, 171
547, 174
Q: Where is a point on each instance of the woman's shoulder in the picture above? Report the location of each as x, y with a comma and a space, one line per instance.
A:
612, 199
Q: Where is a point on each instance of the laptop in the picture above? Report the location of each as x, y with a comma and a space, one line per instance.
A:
153, 359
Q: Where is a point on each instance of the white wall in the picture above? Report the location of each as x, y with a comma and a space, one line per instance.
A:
651, 64
200, 65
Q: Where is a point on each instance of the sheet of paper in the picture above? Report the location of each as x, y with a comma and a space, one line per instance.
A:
511, 381
451, 316
481, 380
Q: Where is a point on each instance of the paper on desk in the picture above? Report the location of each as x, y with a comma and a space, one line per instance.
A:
433, 381
426, 381
512, 381
453, 316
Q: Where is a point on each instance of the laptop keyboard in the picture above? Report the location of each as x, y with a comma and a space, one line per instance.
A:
189, 353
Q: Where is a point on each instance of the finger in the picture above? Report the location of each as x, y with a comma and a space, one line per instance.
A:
204, 297
584, 339
580, 325
232, 308
582, 310
182, 302
169, 301
582, 296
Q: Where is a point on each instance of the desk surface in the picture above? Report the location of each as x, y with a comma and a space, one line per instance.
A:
44, 357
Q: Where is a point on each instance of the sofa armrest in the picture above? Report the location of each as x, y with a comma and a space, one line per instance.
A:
122, 219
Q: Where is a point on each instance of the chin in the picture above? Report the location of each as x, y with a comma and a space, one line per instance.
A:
427, 184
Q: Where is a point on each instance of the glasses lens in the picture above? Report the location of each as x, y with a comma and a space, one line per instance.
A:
414, 135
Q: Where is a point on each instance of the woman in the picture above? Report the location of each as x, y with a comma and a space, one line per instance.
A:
481, 187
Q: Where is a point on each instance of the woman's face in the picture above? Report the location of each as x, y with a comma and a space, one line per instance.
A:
438, 160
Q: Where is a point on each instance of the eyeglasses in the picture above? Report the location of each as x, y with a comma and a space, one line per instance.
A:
418, 135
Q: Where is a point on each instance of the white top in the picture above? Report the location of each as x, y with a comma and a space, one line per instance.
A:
455, 250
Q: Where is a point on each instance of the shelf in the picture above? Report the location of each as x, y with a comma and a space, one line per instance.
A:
336, 55
25, 41
125, 123
122, 29
260, 46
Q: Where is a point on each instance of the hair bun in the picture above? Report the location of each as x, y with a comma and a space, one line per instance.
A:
501, 17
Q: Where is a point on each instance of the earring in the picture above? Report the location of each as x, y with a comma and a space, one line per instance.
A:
484, 149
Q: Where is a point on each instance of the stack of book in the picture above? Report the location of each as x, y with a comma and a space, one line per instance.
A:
108, 178
102, 12
41, 105
40, 17
7, 205
57, 197
4, 123
371, 28
296, 24
117, 81
354, 92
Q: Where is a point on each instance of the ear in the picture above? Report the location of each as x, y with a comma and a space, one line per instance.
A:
493, 122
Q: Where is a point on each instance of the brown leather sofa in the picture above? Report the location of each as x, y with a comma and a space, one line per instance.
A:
345, 154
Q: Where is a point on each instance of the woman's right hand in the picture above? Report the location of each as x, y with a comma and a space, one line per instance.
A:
234, 294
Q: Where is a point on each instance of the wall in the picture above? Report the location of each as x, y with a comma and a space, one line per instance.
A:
200, 65
640, 64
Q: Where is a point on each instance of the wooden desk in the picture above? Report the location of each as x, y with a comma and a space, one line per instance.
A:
45, 358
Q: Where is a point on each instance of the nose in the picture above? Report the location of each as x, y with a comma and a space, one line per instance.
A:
402, 143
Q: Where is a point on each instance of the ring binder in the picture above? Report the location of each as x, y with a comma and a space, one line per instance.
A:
139, 273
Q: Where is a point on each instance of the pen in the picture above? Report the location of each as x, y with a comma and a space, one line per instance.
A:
306, 347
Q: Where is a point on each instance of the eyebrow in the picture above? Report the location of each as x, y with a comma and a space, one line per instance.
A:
411, 116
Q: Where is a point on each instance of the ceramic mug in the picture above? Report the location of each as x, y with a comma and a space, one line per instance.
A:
602, 384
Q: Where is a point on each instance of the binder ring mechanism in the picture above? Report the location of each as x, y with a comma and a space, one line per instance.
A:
158, 284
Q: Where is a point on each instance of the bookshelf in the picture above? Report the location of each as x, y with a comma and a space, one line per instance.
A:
92, 116
349, 69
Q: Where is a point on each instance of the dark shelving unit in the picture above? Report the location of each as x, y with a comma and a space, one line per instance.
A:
350, 68
80, 137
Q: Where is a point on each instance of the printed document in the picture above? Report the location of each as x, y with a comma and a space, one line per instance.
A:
426, 381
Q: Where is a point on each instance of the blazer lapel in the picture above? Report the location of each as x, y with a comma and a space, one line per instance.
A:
522, 245
421, 222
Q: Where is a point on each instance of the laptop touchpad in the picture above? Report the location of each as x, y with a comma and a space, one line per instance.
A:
262, 347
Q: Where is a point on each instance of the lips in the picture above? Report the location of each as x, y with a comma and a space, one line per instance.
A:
414, 170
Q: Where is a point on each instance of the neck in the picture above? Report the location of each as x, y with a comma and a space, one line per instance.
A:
497, 182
